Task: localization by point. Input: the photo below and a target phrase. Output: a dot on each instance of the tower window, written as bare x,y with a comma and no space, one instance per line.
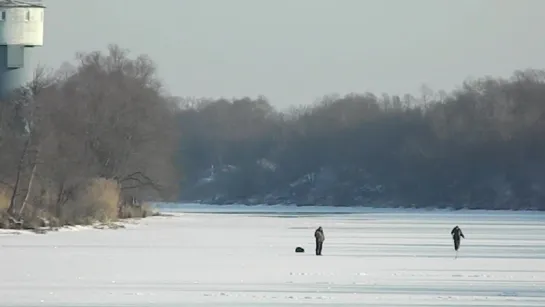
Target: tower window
3,15
27,16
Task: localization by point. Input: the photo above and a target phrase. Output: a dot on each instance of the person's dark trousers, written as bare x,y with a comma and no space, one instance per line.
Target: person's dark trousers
319,248
456,243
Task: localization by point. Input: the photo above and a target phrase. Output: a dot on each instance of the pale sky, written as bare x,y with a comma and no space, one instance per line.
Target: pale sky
295,51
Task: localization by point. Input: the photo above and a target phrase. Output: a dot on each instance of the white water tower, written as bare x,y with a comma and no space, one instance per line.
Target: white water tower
21,29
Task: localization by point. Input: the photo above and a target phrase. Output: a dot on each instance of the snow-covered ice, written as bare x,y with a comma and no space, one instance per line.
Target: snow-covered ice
371,258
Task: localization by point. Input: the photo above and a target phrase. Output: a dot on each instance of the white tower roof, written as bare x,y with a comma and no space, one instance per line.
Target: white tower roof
21,3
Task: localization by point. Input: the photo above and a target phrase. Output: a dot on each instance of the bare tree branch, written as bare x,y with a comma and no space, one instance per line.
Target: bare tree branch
141,180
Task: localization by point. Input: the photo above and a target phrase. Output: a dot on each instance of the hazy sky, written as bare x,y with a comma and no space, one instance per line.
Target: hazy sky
294,51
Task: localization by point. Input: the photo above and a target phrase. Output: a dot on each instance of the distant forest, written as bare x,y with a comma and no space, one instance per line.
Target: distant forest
481,146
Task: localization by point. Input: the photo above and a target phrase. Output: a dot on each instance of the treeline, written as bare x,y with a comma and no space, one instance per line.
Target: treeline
88,142
481,146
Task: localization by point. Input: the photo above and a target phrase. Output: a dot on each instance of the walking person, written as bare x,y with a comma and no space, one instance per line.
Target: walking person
457,233
320,238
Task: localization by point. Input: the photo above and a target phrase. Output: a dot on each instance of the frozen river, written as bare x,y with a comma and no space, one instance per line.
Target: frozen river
371,258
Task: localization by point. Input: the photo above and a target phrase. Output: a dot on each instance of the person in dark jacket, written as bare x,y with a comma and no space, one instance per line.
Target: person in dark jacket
456,233
320,237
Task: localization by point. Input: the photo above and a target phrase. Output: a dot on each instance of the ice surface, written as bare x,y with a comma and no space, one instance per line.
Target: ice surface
371,258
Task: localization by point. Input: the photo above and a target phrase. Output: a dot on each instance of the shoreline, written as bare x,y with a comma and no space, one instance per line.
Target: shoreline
168,209
113,225
195,207
45,230
379,203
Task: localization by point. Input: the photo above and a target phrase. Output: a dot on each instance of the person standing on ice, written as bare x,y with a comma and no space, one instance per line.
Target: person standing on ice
320,238
456,233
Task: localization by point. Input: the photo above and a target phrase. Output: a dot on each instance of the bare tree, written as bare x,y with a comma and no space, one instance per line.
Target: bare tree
107,117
